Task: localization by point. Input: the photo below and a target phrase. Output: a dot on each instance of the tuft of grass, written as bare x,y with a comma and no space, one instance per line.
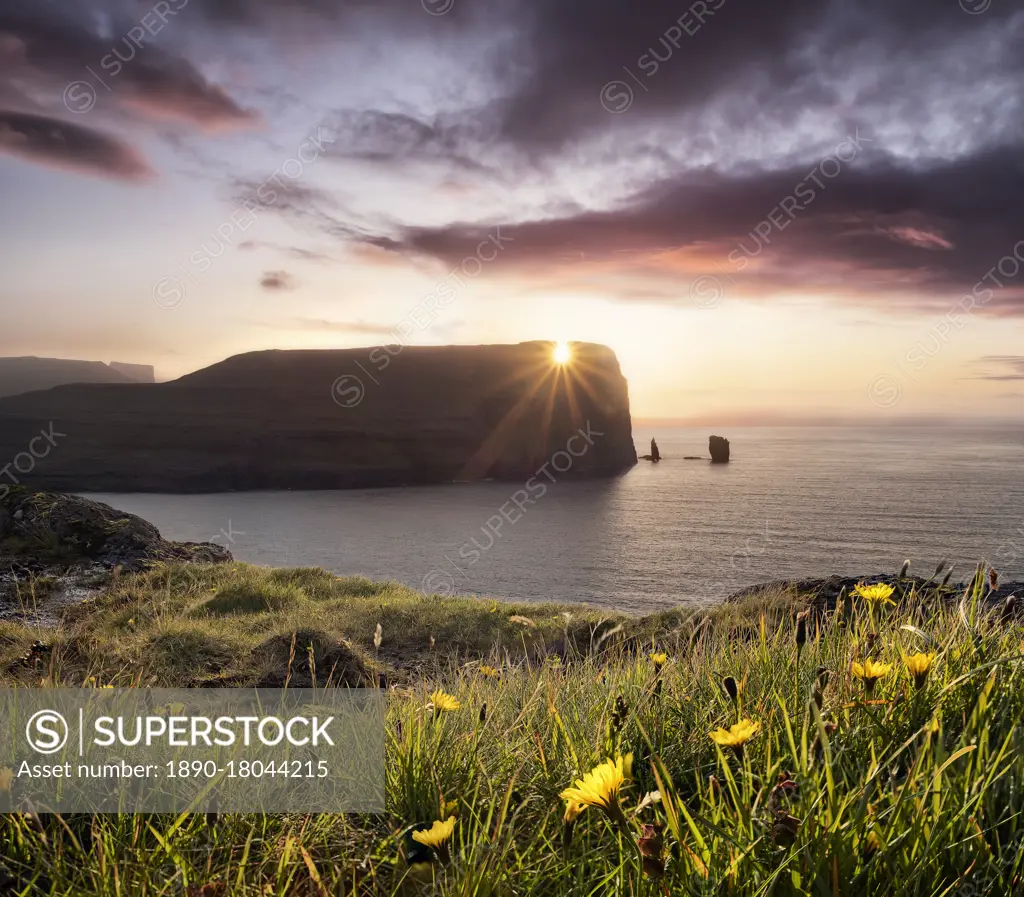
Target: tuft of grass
251,598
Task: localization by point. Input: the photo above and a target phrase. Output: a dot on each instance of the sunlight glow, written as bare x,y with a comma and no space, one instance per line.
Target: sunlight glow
563,354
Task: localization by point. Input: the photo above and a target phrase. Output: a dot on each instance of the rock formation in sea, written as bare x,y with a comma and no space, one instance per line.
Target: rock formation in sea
331,420
655,455
719,448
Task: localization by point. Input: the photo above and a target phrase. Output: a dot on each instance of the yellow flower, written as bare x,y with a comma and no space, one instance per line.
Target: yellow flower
736,735
870,672
879,593
6,778
918,666
600,787
437,834
489,672
659,659
444,701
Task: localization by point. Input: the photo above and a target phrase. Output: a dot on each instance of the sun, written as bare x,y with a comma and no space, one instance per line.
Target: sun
562,354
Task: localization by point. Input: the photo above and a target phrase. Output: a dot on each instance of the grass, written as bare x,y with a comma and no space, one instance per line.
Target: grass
841,791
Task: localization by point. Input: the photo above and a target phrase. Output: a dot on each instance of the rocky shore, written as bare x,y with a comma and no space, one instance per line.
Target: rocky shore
825,592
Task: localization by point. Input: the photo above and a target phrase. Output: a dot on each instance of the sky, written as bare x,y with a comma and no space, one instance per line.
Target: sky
802,209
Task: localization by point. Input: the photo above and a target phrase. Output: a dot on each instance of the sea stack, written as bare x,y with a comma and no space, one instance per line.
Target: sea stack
655,454
719,448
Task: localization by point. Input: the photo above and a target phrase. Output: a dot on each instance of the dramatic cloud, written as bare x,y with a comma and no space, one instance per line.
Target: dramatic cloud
857,151
879,228
50,141
123,65
860,149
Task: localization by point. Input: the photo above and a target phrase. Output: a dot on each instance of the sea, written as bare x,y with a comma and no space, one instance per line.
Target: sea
793,502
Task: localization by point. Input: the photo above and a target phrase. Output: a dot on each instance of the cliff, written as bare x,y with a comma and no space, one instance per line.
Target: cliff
28,373
330,420
137,373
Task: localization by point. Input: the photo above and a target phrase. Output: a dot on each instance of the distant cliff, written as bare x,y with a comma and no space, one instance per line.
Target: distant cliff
333,419
137,373
28,373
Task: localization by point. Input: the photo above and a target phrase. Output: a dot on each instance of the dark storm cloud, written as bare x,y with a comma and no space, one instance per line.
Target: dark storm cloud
577,63
676,56
61,144
58,47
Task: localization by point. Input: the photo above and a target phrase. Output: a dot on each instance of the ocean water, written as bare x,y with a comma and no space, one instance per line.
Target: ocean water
793,502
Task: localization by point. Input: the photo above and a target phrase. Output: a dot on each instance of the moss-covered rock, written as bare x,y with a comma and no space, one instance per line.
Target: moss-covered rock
54,528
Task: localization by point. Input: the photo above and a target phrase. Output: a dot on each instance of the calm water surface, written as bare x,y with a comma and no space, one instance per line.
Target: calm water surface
793,502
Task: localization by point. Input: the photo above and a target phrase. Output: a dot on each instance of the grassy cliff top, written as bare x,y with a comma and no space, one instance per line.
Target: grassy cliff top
871,746
181,624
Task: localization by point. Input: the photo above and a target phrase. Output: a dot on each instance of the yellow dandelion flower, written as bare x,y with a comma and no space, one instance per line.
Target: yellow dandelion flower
489,672
879,593
6,778
437,834
442,701
870,672
736,736
659,659
918,666
600,787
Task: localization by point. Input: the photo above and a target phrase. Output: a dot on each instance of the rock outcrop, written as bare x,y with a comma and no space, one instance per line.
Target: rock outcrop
58,550
333,420
826,591
43,528
719,448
